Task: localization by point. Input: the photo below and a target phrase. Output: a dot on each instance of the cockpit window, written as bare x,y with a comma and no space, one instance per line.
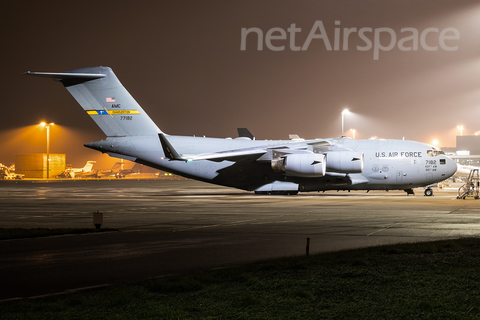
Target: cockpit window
435,152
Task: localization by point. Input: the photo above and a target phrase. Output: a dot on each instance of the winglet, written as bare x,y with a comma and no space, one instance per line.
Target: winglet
244,132
168,149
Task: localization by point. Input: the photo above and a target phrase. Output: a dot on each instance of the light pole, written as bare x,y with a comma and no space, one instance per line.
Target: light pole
353,132
345,111
461,130
47,125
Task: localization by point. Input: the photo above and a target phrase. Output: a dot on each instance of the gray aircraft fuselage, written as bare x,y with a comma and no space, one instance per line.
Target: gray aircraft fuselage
263,166
388,164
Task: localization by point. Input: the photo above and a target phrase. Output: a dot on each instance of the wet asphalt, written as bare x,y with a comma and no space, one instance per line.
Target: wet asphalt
169,227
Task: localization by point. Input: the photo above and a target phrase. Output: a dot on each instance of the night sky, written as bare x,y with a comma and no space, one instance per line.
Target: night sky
182,61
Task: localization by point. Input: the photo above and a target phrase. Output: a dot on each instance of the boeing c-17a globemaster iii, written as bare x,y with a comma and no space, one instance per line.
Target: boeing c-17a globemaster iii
262,166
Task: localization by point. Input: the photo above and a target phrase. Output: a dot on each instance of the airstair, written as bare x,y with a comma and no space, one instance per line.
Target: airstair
470,189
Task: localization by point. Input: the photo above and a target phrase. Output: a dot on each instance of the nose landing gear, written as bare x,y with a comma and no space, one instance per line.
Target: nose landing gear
428,192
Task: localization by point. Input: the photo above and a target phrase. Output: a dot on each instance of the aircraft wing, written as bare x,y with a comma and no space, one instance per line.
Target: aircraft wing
172,154
227,155
233,155
321,146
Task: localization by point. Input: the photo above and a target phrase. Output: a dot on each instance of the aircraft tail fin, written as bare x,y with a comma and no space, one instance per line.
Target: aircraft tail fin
88,167
104,98
117,166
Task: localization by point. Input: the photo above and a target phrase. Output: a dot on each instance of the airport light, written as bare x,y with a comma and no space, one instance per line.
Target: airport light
477,133
344,112
47,126
461,130
353,132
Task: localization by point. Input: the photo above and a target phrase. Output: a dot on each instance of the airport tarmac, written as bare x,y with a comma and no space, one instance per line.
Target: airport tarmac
168,227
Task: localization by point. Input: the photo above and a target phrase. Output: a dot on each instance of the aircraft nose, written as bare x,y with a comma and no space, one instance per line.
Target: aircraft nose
451,167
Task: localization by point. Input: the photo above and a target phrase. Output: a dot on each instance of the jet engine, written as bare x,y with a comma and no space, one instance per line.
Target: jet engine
344,162
307,165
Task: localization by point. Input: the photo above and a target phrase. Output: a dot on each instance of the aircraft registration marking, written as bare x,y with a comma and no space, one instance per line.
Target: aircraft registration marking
430,165
96,112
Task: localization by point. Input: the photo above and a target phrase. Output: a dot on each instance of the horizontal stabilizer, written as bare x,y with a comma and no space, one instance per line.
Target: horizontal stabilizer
67,78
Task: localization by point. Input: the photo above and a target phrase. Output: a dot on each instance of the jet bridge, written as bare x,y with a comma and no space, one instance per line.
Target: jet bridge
470,189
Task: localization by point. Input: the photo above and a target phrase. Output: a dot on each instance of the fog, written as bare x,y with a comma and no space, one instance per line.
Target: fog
182,61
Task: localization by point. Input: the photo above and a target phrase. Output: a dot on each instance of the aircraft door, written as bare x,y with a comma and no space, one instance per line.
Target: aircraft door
399,176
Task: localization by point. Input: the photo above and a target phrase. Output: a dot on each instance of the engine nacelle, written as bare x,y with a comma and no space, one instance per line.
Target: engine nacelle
307,165
345,162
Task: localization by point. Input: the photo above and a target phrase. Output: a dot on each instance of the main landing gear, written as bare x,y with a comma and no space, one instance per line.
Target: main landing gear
428,192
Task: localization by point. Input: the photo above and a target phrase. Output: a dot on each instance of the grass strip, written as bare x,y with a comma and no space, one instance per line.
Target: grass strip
434,280
19,233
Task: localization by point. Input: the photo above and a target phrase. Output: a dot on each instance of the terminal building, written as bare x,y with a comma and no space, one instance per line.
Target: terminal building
34,165
467,150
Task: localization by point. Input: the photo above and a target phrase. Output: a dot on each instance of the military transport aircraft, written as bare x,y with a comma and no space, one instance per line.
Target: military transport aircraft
263,166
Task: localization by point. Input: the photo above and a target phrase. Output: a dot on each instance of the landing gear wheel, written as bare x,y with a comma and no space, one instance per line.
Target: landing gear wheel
428,192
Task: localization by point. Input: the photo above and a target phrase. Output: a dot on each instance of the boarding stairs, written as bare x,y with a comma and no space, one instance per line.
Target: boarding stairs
470,189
